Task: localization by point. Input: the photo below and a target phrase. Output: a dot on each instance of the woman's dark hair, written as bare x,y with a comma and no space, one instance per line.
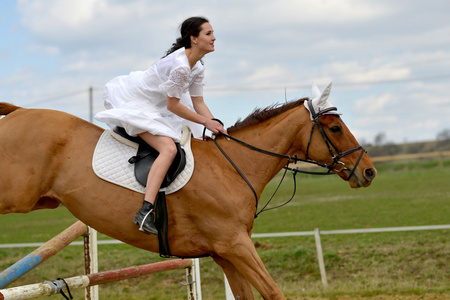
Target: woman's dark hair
190,27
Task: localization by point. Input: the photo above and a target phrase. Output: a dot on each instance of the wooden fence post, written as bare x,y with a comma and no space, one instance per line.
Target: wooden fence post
323,275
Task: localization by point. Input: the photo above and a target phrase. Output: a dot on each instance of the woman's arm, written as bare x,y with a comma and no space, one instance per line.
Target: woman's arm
174,105
202,115
201,108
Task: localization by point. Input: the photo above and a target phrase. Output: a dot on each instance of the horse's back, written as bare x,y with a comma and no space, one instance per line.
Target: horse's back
33,125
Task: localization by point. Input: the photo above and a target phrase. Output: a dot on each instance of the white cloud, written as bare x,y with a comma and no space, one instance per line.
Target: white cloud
71,15
296,12
266,75
354,72
325,11
69,45
73,25
374,105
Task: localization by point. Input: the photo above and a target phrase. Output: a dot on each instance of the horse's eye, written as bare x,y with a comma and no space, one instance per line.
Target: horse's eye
335,129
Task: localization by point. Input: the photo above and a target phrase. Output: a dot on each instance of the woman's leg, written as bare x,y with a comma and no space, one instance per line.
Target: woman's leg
167,152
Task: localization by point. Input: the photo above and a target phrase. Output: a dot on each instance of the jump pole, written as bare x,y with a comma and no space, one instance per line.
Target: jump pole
41,254
91,261
48,288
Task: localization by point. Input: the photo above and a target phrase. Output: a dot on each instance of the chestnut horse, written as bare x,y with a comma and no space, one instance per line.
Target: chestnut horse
46,160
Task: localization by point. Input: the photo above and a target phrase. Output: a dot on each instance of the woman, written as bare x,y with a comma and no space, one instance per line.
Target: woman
154,104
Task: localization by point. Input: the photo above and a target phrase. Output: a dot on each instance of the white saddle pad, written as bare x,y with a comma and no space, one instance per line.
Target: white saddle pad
110,162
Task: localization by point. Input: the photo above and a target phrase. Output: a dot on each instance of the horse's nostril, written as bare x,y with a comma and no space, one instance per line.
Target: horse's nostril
370,173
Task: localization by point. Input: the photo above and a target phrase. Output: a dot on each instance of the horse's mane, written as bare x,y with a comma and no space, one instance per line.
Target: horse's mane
262,114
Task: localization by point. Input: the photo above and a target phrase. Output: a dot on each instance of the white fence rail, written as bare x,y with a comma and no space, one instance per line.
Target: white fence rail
267,235
316,233
349,231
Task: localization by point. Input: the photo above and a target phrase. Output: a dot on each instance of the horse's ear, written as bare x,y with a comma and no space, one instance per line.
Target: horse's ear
325,93
315,92
319,100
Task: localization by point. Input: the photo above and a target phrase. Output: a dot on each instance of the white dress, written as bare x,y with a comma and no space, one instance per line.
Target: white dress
138,101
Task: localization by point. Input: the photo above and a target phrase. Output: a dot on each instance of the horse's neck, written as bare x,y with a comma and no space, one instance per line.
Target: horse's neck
275,135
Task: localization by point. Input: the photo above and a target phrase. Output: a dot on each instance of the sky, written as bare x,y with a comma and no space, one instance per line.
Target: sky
389,60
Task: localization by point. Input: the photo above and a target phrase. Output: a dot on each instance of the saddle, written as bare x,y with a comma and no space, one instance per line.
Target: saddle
146,155
143,161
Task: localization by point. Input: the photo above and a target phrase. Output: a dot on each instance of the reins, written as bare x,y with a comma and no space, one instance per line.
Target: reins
287,168
243,176
295,159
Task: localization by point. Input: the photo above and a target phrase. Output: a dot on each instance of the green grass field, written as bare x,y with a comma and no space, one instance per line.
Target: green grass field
400,263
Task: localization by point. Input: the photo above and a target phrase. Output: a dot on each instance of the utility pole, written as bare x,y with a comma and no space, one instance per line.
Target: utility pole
91,105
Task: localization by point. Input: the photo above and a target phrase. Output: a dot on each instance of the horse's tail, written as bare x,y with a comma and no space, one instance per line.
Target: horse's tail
6,108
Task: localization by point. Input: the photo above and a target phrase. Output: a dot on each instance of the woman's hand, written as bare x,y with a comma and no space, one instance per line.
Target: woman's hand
202,115
215,127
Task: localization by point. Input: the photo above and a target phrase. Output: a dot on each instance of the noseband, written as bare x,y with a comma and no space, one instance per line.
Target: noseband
337,165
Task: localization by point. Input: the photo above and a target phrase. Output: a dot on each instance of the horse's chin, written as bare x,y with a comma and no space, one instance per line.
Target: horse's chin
355,182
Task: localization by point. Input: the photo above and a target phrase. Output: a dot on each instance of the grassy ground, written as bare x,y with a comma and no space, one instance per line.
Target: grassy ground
408,264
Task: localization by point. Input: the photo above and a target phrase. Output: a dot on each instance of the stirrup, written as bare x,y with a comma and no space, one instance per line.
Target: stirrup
146,227
151,224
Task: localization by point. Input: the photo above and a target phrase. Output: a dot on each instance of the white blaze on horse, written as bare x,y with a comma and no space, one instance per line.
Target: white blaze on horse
46,160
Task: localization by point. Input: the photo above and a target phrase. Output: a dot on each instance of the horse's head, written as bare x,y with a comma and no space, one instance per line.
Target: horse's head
330,143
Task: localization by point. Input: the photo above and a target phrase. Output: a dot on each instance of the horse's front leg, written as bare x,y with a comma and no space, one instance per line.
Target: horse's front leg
242,254
241,287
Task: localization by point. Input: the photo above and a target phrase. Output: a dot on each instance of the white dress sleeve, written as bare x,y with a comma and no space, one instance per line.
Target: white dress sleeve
196,88
176,82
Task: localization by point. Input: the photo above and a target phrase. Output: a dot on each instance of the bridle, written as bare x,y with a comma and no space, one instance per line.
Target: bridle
337,165
294,159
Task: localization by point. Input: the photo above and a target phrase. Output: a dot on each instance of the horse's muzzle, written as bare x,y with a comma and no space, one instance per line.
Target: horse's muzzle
363,179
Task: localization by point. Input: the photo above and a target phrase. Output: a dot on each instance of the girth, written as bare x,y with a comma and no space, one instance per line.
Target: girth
146,155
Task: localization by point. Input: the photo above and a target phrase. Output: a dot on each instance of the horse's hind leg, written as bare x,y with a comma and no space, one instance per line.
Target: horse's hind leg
239,285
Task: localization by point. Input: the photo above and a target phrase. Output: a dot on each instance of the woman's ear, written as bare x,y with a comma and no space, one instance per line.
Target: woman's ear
193,40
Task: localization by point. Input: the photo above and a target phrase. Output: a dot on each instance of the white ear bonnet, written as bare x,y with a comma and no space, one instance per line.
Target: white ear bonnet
319,101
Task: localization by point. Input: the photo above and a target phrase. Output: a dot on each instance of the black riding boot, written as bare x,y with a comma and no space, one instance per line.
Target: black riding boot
145,218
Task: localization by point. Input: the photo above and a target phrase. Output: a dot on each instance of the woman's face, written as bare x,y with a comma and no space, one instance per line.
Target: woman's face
205,39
